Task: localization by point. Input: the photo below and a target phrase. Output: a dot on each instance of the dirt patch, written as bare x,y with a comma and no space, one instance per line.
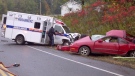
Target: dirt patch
1,51
4,41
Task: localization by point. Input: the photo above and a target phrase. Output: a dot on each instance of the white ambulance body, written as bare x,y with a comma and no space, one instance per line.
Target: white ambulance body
30,28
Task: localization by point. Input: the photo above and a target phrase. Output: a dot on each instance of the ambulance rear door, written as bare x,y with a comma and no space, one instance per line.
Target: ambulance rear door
36,32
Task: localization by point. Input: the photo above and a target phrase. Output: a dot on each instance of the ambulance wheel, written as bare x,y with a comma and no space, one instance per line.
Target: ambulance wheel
20,40
66,43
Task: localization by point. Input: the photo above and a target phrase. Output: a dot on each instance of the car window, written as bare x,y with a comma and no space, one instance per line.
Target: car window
110,39
113,40
106,39
122,41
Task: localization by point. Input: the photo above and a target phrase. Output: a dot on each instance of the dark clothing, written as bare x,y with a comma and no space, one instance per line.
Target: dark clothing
51,40
50,34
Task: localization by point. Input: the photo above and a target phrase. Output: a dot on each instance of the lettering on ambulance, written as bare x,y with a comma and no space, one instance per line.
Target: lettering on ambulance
25,20
21,28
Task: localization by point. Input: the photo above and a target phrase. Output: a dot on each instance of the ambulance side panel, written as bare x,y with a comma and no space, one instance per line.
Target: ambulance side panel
21,27
37,26
26,27
9,28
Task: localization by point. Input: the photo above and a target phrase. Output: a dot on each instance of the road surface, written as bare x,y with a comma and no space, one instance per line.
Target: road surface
38,60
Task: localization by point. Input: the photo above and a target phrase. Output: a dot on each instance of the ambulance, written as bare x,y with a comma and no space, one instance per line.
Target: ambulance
31,28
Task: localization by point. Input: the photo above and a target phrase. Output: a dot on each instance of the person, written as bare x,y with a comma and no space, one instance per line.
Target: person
51,32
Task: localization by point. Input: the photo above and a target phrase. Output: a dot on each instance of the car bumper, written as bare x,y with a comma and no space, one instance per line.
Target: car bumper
67,48
74,49
63,48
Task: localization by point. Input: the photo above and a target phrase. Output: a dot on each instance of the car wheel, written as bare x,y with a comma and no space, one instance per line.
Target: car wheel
20,40
66,43
132,54
84,50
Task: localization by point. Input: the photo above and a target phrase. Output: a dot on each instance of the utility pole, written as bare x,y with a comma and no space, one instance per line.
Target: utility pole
40,7
51,6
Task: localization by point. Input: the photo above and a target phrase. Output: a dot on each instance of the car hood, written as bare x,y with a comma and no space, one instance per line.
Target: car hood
85,39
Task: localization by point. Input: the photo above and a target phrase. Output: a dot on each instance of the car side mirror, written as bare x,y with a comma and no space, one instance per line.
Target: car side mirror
100,41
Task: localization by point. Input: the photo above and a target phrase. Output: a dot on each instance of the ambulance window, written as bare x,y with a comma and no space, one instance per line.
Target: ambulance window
66,29
58,28
37,25
45,23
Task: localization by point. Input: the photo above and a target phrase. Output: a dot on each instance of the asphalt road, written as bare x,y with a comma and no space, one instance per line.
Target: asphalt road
38,60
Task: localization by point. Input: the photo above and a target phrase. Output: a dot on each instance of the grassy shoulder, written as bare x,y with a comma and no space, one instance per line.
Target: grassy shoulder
127,62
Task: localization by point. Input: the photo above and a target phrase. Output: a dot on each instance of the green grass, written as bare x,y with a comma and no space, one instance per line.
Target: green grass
127,62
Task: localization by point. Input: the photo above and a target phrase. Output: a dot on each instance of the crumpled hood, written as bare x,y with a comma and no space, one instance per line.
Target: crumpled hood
84,40
73,34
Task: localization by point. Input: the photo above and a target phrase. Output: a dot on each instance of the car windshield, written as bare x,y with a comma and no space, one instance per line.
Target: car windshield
66,29
129,37
96,37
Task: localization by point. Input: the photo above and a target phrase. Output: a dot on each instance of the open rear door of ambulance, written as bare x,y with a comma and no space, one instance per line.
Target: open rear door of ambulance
3,24
44,37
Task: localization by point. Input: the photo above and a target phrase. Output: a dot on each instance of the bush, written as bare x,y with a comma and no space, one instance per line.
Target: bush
102,16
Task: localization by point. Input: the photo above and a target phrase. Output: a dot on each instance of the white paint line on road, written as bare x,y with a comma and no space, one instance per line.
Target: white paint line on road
125,57
77,62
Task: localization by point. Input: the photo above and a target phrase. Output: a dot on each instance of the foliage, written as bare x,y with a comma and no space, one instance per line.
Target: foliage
31,6
102,16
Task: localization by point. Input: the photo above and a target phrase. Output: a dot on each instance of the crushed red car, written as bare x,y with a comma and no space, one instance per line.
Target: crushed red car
116,42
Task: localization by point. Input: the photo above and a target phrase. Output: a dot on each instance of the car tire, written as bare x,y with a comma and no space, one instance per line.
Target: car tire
132,54
85,51
20,40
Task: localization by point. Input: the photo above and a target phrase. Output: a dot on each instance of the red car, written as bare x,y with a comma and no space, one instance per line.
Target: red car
116,42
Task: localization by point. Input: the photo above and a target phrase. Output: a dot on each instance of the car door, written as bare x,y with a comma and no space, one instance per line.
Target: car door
108,45
123,46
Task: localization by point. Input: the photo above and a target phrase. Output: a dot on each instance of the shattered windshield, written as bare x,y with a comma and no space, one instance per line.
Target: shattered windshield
129,37
66,29
96,37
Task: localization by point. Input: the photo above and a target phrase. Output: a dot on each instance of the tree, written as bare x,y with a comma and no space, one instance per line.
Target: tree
3,7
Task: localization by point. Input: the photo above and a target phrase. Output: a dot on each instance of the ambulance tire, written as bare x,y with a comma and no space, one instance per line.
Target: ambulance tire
66,43
20,40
